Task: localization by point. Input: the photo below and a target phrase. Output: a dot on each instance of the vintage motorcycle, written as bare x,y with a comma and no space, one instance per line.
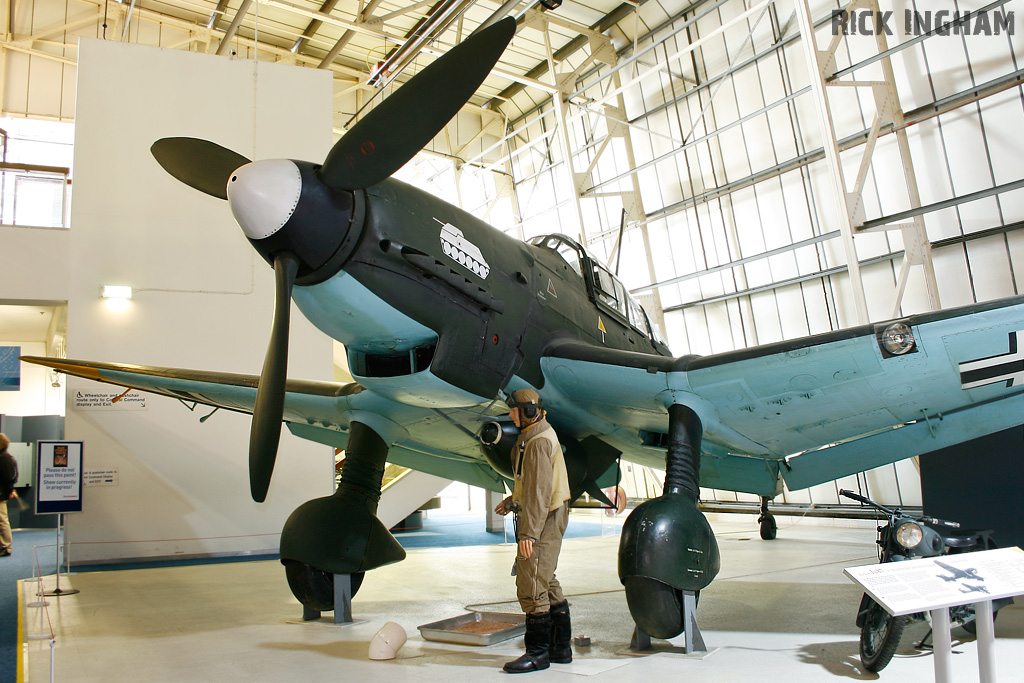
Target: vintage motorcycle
906,538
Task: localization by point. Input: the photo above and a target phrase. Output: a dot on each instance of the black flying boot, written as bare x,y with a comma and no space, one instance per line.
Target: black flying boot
538,637
561,634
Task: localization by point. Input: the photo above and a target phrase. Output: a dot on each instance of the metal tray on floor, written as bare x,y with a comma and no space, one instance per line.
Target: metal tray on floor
444,630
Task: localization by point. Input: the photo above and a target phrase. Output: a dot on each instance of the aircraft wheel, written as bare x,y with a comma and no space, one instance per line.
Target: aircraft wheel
315,588
769,528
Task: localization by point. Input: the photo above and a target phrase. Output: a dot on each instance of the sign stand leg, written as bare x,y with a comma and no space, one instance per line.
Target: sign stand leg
58,591
985,620
942,643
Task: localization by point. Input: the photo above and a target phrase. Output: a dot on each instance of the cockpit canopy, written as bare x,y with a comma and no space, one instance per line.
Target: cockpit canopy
603,286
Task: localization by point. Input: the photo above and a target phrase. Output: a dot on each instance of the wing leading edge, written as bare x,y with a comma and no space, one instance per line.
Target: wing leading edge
317,411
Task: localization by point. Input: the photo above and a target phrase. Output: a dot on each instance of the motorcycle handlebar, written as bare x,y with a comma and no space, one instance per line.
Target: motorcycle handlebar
866,501
932,520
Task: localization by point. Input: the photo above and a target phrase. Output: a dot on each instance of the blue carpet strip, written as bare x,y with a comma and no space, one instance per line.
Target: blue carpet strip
12,569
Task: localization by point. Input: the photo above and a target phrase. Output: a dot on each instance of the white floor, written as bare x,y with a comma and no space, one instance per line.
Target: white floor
779,611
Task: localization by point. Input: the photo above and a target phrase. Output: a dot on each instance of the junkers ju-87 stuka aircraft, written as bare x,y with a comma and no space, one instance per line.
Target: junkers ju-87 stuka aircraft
442,315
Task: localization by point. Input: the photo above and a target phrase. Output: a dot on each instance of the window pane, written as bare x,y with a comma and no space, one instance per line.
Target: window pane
39,201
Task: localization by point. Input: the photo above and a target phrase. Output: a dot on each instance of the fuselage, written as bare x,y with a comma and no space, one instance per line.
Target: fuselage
434,306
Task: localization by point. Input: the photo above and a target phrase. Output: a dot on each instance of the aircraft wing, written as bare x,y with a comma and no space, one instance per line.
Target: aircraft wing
840,402
318,411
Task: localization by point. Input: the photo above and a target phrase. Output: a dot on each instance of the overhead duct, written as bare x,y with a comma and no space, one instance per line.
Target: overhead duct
432,27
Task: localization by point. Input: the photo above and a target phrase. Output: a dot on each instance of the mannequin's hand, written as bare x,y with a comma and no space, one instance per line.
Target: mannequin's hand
526,548
504,507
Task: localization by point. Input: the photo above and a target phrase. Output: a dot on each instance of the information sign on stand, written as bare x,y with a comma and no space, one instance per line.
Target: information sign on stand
59,489
59,485
934,584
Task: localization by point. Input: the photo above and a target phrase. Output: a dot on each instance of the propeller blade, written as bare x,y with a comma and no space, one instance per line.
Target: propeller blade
200,164
265,433
400,126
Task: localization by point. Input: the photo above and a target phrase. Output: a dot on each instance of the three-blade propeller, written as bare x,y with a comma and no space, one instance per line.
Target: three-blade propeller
382,142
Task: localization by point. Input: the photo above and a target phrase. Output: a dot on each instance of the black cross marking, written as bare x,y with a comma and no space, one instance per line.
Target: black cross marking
1007,367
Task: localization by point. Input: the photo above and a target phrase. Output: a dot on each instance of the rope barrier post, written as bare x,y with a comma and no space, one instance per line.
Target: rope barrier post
37,578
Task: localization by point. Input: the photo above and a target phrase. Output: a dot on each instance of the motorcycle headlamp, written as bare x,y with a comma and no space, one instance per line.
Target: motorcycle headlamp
909,534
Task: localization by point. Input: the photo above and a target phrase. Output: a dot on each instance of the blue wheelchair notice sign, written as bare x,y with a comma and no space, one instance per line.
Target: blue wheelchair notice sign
59,484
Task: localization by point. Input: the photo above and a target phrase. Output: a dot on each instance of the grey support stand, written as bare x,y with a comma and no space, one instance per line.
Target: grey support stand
342,602
694,641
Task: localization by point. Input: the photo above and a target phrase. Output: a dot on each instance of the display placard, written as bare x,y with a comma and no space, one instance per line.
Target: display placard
937,582
59,477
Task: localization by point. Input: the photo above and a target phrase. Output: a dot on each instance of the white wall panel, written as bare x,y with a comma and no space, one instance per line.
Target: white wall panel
766,317
990,268
816,304
879,290
792,317
39,272
952,276
1015,246
946,64
16,80
205,299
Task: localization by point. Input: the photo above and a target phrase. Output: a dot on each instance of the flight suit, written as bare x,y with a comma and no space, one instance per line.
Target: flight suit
541,490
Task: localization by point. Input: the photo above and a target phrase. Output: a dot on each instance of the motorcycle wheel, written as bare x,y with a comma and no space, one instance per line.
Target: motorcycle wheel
879,637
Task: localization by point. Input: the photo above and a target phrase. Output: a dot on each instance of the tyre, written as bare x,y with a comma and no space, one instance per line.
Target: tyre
879,637
315,588
769,528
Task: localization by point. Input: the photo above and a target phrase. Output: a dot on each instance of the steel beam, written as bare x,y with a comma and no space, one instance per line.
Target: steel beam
348,35
739,262
229,34
885,54
815,68
881,223
938,244
313,25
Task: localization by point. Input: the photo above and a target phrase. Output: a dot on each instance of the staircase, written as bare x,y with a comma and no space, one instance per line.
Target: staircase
404,492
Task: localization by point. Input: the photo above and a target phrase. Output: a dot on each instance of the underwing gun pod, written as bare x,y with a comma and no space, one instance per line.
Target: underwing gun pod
667,546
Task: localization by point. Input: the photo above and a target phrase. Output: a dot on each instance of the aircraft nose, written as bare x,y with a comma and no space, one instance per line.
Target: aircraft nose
263,196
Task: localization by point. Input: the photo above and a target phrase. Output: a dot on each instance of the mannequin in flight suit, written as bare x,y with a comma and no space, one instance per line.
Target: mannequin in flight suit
540,499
